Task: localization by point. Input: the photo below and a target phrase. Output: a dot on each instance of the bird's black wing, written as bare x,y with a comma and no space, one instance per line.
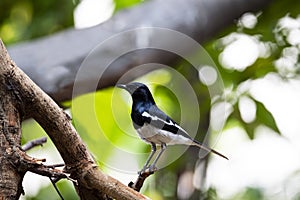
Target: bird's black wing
159,119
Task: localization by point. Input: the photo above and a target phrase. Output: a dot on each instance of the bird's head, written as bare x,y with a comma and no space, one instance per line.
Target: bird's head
138,91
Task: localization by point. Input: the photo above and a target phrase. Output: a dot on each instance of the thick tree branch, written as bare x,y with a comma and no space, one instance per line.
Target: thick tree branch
52,62
29,99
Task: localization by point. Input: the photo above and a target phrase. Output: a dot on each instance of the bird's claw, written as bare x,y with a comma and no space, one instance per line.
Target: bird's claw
149,170
152,168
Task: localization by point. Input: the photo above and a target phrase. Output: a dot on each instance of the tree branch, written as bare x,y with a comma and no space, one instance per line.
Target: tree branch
29,99
138,184
55,60
33,143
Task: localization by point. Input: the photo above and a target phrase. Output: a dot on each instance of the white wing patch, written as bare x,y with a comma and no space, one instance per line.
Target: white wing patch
155,118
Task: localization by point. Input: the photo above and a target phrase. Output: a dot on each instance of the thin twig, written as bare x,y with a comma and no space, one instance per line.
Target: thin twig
36,166
34,143
50,172
56,165
55,187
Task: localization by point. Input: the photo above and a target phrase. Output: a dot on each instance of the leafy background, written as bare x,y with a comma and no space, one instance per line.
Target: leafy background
22,20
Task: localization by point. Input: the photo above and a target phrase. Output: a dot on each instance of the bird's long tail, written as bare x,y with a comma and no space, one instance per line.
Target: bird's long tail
198,144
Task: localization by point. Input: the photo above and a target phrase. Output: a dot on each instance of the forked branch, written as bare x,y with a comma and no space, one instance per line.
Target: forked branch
31,101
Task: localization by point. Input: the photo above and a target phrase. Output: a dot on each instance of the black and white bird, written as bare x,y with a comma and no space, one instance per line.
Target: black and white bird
154,126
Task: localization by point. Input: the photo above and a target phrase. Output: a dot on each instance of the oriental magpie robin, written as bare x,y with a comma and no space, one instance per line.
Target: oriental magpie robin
154,126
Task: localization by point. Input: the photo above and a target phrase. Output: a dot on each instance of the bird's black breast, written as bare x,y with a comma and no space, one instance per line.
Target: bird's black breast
137,120
136,113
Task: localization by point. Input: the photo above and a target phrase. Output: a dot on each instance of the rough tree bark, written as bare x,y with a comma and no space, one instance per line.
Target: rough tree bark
52,62
20,97
10,136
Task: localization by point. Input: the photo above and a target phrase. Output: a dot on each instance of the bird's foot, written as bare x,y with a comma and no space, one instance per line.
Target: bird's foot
152,168
149,170
143,170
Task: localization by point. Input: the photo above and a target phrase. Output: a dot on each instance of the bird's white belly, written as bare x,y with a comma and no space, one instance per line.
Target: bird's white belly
152,134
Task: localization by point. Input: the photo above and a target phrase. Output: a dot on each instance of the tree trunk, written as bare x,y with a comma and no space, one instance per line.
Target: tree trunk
21,97
10,136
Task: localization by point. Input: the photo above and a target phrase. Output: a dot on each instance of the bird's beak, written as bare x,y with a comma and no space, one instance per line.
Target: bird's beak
128,88
121,86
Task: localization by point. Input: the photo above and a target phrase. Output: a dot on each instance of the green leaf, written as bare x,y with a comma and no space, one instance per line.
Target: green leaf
236,119
250,129
265,117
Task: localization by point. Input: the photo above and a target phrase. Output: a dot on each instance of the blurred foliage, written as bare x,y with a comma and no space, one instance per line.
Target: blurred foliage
97,116
266,30
26,19
121,4
22,20
263,117
250,194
